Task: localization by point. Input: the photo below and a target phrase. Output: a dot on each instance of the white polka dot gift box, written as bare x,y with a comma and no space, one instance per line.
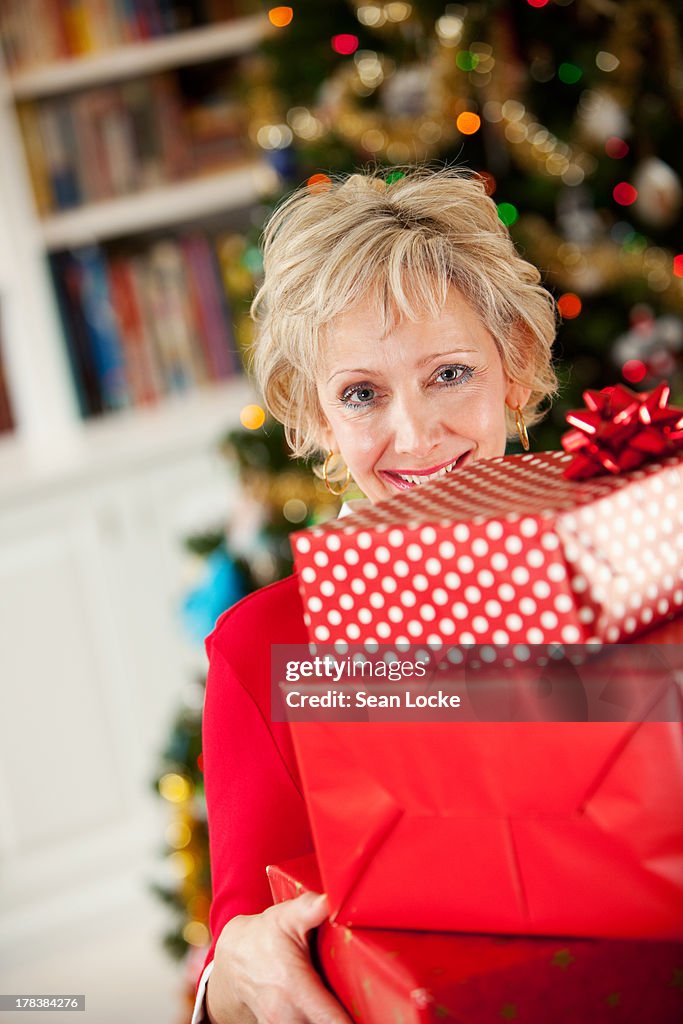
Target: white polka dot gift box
506,550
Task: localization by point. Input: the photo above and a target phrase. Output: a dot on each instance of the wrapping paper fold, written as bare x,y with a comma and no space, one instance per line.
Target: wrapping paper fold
417,977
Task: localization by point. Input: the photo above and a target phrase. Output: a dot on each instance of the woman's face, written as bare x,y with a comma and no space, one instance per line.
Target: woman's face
418,404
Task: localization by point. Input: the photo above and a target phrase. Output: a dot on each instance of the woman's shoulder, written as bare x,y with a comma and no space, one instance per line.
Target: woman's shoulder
271,615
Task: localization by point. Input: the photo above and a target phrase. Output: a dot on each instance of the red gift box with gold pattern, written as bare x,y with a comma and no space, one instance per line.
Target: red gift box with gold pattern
504,551
417,977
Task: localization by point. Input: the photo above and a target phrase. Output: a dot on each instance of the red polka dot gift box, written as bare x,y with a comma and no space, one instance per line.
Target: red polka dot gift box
503,551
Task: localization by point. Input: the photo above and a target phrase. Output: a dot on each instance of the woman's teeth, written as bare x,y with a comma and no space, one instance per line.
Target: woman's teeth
413,478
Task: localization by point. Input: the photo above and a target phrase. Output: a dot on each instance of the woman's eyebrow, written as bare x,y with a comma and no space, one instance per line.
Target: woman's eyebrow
359,369
450,352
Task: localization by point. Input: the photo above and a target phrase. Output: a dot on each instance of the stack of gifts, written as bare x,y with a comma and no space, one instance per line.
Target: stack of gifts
454,855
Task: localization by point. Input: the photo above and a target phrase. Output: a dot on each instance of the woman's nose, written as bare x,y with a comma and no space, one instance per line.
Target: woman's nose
417,431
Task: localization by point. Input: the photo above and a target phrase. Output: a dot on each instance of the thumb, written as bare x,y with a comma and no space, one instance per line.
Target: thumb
299,915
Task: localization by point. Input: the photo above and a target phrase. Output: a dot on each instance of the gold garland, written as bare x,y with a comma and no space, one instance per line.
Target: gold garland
495,83
599,267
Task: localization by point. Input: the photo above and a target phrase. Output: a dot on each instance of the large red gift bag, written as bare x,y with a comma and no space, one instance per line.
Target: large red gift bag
418,977
538,828
502,551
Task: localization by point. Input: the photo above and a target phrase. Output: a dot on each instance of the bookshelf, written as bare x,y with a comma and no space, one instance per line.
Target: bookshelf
50,427
193,46
94,511
159,207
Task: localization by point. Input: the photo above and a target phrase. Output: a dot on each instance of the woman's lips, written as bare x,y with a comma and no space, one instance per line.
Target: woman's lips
416,479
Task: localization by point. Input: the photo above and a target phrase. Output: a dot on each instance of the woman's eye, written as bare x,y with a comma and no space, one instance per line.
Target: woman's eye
455,374
359,395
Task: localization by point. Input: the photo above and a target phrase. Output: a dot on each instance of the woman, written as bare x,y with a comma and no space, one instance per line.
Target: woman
398,328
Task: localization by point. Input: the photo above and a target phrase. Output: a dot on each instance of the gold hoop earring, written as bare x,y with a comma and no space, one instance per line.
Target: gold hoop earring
521,428
329,486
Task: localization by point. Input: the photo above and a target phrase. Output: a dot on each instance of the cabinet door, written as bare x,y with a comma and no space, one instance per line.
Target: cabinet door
93,667
63,779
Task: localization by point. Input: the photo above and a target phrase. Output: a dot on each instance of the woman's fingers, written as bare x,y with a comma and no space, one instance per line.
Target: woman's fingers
263,971
296,917
317,1005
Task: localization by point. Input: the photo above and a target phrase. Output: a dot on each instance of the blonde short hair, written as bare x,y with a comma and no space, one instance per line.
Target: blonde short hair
402,241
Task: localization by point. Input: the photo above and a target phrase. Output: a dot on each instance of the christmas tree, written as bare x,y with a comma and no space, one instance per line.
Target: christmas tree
569,109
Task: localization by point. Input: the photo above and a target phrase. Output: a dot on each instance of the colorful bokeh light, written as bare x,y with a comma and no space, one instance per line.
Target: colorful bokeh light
466,60
252,417
569,305
280,16
319,183
678,265
569,73
616,148
634,370
345,43
490,183
538,3
624,193
468,122
175,788
508,213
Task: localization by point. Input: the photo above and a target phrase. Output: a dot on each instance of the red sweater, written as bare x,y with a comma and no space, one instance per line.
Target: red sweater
256,809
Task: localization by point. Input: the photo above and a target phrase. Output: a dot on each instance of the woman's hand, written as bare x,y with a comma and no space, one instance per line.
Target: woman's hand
262,972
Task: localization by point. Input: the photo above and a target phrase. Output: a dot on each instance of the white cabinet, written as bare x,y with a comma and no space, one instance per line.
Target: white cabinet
93,664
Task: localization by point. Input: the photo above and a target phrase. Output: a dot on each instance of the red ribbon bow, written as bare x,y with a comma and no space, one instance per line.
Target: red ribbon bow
619,429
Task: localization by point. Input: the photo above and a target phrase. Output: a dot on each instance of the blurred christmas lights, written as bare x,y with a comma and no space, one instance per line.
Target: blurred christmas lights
252,417
280,17
634,370
624,194
466,60
345,43
175,788
196,933
319,183
468,122
606,61
569,305
508,213
570,74
616,148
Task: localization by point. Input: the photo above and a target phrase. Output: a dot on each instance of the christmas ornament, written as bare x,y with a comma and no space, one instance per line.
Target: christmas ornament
601,117
659,192
653,343
620,429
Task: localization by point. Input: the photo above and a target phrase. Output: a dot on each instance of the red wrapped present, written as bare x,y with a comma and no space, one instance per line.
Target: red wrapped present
504,551
416,977
526,827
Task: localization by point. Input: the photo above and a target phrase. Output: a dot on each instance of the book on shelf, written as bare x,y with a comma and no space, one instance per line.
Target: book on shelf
39,32
144,323
6,414
118,139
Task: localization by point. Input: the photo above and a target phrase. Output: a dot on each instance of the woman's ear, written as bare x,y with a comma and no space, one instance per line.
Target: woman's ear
516,395
325,435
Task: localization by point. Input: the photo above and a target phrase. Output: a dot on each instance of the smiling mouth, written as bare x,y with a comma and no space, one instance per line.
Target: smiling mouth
404,481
